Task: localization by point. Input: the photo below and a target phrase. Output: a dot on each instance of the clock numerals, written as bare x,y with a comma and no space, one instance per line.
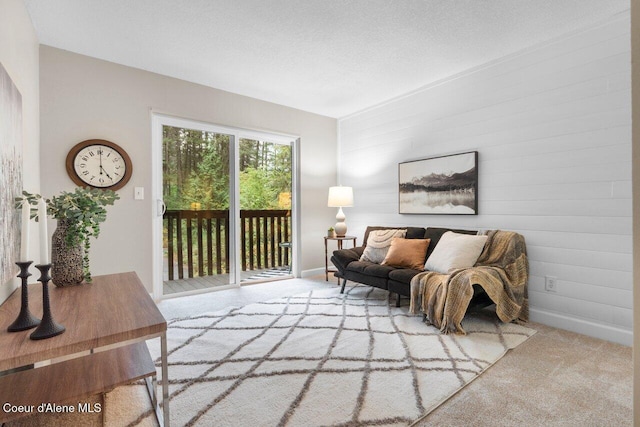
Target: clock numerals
99,164
93,169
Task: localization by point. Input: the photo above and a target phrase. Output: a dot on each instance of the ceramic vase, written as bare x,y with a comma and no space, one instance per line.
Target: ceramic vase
66,260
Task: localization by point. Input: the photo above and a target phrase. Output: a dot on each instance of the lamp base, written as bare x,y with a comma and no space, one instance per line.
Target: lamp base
341,226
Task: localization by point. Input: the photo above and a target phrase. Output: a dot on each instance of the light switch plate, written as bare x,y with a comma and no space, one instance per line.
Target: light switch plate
138,193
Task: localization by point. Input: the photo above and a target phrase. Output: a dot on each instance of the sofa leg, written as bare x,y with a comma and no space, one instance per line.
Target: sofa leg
397,300
344,282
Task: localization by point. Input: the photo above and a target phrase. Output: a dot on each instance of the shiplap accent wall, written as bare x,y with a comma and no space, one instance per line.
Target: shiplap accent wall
552,125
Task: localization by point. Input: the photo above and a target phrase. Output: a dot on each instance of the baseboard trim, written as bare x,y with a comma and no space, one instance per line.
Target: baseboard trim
313,272
582,326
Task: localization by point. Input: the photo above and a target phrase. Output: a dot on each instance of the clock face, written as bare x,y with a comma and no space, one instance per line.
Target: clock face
100,164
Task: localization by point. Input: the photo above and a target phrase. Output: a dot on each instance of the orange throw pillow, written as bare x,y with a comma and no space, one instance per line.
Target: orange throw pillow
407,253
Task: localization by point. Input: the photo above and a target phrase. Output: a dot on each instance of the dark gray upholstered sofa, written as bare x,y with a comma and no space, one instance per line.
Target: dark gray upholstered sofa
395,280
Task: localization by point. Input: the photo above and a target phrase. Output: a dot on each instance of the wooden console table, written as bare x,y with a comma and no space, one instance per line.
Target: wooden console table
107,323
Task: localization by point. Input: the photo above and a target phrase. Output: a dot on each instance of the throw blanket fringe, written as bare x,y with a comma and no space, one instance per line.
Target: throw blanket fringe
502,270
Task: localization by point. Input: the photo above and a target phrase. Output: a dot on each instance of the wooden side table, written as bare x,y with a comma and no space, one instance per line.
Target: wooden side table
339,240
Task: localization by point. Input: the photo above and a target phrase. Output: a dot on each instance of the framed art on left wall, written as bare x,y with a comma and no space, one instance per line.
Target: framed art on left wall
439,185
10,174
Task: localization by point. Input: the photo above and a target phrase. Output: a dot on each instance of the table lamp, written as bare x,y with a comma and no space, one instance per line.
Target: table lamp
340,197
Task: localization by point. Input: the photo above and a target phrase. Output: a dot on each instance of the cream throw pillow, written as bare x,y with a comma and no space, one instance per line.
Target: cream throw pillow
378,244
455,251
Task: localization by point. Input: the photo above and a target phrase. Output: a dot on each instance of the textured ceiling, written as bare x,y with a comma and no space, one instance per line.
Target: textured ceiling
332,57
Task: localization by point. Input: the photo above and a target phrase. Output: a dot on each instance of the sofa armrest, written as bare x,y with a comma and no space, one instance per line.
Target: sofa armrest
343,257
358,250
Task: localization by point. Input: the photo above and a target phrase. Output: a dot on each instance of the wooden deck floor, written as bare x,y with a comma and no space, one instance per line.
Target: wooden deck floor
204,282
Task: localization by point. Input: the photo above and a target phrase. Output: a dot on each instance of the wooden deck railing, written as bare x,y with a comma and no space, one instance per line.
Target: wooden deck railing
203,235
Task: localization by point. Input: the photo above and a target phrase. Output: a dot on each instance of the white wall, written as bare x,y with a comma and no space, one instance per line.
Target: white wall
635,55
19,56
552,126
84,98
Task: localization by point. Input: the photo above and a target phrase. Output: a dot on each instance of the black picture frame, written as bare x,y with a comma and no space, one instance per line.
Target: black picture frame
443,185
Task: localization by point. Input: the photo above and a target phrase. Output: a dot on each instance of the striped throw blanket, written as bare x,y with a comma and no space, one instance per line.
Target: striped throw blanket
502,270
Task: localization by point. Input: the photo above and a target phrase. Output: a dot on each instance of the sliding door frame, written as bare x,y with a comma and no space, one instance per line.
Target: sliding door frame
158,120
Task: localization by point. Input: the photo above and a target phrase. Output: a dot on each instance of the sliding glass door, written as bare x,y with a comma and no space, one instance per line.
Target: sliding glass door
196,223
265,209
224,206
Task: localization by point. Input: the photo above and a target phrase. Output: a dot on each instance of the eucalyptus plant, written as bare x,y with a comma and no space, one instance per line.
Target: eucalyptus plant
84,209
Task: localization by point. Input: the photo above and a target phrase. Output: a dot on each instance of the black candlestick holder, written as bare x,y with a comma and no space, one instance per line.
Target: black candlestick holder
25,319
48,327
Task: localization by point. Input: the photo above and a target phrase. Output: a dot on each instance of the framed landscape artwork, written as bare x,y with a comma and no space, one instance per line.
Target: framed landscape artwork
439,185
10,174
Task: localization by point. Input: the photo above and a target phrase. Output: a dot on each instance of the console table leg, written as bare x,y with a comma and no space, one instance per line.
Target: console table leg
165,379
152,389
162,416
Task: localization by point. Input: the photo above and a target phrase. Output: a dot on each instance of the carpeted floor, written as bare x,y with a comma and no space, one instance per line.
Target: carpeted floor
555,378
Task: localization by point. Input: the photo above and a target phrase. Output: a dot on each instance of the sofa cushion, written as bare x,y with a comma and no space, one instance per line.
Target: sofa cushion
370,269
455,251
378,244
367,279
434,234
403,275
407,253
412,232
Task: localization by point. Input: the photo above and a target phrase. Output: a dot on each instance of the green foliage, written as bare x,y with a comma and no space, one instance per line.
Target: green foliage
84,209
257,190
196,170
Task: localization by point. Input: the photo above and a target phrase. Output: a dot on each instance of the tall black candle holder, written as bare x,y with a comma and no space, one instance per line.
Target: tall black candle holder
25,319
48,327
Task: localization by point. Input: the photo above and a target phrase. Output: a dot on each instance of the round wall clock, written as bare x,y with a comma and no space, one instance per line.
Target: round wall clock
99,164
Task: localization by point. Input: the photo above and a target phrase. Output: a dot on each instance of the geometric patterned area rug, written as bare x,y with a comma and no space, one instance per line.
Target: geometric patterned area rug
271,274
317,359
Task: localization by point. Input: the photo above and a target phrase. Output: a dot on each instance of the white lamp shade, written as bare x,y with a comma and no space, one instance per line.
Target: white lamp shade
340,197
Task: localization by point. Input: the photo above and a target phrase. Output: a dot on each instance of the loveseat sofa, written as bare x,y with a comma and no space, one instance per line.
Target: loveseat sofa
396,280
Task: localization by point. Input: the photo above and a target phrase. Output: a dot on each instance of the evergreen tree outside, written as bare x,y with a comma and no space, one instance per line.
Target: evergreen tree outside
196,170
196,176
